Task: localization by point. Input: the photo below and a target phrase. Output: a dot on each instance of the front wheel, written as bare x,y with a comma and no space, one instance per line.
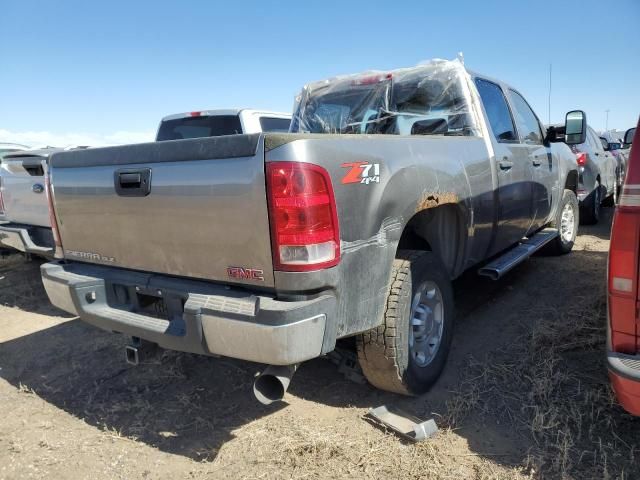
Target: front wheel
407,353
566,221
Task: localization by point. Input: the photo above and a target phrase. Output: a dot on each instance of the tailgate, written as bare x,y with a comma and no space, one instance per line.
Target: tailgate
192,208
25,200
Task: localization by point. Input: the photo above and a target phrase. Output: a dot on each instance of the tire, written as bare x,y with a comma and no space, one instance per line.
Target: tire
590,210
385,355
563,243
612,200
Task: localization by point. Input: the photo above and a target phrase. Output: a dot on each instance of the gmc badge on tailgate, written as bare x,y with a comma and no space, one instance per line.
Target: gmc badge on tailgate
241,273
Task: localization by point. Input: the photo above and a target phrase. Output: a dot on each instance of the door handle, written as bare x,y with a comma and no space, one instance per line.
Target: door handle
133,182
536,162
505,164
597,154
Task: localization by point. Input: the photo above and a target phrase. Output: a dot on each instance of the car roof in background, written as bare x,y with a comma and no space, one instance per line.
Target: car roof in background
16,146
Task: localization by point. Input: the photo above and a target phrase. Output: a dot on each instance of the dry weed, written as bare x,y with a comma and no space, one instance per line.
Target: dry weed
551,383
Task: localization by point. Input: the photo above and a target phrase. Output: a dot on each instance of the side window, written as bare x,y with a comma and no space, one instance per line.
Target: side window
272,124
604,143
528,126
497,111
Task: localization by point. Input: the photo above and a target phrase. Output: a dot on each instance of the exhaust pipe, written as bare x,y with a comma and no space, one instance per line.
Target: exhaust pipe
271,385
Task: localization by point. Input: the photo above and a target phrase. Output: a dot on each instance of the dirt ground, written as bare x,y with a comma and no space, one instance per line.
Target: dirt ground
525,394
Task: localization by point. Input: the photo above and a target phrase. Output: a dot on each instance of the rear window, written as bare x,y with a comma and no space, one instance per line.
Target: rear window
271,124
198,127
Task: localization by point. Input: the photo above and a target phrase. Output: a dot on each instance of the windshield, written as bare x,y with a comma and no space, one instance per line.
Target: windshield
427,100
197,127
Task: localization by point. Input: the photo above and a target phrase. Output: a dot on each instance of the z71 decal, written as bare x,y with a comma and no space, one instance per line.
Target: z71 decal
361,172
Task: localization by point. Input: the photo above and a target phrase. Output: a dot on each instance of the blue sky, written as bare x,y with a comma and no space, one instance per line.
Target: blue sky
109,70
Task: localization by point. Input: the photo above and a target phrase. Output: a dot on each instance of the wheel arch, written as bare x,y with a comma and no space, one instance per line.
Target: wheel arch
441,230
571,182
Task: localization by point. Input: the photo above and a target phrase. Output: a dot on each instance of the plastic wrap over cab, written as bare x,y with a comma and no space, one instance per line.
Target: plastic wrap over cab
430,99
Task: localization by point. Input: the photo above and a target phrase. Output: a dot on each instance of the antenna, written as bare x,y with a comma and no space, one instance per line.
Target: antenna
606,127
549,108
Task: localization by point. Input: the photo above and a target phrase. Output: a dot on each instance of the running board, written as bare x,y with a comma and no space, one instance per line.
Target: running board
496,268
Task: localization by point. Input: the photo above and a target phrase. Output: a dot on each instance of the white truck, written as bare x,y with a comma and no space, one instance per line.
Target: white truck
215,123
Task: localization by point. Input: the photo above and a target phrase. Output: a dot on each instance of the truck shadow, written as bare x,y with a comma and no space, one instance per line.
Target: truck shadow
21,285
191,405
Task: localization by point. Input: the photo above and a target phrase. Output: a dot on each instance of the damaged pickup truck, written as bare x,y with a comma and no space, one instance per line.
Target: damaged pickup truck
271,247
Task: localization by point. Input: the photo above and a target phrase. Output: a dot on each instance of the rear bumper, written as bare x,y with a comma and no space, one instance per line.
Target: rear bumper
624,372
27,239
197,317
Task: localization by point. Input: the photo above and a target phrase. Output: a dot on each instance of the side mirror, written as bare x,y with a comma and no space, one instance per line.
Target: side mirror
575,127
605,144
628,137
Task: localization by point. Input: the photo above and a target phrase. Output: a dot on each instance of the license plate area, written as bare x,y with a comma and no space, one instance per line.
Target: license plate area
152,306
150,302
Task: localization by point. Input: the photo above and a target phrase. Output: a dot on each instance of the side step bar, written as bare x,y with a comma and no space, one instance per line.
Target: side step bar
497,267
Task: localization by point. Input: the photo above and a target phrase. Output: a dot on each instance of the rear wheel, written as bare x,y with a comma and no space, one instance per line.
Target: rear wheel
407,353
590,209
566,221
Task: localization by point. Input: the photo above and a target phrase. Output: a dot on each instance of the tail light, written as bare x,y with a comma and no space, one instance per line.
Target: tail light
623,262
59,252
581,159
302,212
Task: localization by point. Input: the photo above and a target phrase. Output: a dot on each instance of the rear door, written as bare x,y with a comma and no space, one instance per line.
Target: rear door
542,166
192,208
512,165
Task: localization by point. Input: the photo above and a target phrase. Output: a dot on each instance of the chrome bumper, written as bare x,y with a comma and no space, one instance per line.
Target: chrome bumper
19,237
213,319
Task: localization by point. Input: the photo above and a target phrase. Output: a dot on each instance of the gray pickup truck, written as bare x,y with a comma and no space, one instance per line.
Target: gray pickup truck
271,247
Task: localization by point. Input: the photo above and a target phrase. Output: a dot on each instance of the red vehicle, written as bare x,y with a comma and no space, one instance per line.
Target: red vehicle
623,349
